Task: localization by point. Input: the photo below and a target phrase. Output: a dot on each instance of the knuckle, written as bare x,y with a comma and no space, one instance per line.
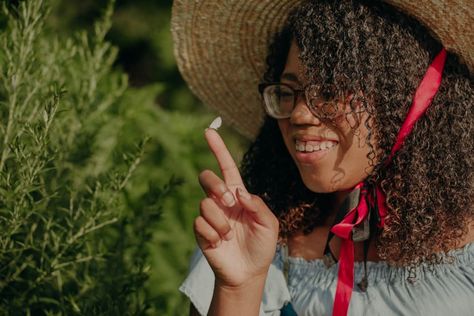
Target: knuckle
276,223
229,167
226,228
258,200
205,204
214,239
207,214
210,212
203,230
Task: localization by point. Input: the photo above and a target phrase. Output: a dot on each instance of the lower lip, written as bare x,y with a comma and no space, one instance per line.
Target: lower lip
308,158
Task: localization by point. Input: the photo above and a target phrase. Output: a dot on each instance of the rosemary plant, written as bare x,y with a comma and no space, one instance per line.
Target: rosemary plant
71,239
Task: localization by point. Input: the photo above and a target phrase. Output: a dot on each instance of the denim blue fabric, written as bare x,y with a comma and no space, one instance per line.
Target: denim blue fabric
442,289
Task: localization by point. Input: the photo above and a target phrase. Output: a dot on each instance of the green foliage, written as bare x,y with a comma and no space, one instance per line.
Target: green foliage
98,183
73,238
177,148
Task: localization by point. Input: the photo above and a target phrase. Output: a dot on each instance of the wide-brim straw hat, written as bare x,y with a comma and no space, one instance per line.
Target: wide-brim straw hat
221,45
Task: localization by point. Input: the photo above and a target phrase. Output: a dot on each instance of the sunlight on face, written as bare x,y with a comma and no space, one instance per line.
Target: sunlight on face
330,157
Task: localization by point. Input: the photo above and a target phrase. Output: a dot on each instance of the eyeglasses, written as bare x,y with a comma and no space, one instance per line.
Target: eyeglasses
280,100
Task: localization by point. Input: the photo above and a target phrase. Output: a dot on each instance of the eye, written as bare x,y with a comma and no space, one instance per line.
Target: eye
283,91
284,94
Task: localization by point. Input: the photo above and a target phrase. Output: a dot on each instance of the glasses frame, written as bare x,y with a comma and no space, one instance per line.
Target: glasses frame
317,106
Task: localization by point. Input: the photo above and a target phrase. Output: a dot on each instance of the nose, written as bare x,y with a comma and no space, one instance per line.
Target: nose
301,114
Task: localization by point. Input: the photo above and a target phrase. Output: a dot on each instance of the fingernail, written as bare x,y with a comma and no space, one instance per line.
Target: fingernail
243,194
229,235
217,244
228,199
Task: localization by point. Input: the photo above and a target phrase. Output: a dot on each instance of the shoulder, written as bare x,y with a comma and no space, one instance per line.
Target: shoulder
198,286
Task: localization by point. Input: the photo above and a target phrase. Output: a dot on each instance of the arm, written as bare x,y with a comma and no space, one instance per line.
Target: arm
242,300
237,234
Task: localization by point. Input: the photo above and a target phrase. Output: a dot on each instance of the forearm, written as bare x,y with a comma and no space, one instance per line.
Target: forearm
243,300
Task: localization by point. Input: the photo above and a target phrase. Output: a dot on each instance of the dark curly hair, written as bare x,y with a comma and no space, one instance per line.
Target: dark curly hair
369,46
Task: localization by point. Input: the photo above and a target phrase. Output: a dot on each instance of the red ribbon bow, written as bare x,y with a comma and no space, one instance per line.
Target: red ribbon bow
345,280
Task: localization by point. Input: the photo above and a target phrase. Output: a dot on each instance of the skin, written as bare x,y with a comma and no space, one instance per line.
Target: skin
238,237
336,173
346,164
238,233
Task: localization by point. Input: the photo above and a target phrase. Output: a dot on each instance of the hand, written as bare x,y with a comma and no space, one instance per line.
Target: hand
236,230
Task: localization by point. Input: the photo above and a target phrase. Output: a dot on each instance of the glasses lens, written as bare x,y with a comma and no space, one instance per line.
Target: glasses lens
279,100
322,102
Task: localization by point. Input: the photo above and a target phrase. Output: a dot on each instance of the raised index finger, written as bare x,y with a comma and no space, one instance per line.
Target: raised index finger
229,169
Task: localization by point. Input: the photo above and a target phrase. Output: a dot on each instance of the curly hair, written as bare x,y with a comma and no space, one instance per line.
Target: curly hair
369,46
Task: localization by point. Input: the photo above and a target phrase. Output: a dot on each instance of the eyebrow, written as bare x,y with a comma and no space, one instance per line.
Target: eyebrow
290,77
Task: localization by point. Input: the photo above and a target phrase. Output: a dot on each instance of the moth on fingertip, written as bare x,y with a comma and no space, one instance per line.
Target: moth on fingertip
216,123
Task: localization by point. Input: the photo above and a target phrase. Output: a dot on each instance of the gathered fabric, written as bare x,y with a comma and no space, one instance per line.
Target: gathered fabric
440,289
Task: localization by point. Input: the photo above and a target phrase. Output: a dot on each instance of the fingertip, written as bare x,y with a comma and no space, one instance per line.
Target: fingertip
209,130
210,137
206,135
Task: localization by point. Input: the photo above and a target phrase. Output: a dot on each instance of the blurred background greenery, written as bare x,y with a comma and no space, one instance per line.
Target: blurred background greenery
157,104
141,31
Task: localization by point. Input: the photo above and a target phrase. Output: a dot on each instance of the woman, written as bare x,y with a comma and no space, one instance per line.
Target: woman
364,158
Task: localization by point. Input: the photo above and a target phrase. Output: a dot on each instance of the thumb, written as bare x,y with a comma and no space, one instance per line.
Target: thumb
257,208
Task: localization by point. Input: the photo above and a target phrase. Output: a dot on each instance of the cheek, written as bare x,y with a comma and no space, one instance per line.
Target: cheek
347,167
355,153
284,127
354,165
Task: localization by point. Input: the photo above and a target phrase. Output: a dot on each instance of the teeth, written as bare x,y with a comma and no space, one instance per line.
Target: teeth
329,144
304,147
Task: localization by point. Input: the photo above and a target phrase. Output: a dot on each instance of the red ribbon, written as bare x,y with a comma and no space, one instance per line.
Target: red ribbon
345,279
423,96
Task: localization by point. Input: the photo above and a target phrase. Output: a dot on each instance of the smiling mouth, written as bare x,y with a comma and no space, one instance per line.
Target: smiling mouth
314,146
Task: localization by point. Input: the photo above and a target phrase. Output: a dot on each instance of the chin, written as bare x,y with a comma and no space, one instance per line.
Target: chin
320,185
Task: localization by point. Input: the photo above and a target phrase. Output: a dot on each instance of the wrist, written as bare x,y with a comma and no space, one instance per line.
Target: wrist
251,283
242,299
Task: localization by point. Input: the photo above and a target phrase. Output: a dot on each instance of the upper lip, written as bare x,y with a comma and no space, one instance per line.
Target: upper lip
307,138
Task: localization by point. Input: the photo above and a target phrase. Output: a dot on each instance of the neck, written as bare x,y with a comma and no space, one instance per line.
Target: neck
335,201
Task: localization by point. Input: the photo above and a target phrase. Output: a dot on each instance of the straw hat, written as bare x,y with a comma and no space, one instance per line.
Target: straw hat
221,46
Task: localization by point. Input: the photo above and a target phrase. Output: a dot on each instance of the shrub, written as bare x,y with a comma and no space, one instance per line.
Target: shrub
73,236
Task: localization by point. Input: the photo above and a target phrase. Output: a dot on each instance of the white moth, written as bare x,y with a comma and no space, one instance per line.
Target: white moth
216,123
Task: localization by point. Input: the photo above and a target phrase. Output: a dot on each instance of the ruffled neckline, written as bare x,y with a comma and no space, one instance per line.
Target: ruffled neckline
458,253
315,270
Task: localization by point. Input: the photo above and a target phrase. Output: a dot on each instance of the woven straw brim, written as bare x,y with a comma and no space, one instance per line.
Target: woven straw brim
221,46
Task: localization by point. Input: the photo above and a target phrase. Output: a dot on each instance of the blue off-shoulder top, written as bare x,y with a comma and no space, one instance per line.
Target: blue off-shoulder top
442,289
